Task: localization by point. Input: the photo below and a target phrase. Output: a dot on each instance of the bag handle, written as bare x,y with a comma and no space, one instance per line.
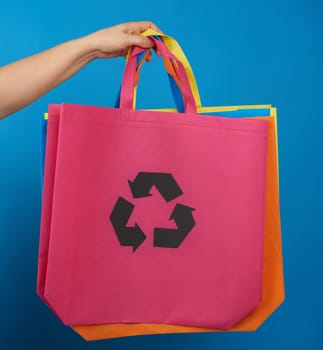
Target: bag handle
172,77
174,82
128,84
174,47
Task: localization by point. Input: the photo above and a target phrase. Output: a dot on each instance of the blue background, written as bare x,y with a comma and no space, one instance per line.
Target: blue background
242,52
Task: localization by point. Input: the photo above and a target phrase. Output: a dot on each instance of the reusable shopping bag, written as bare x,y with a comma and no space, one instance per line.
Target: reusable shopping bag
73,125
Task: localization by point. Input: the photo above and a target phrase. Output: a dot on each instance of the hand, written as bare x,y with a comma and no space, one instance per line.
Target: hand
23,81
115,41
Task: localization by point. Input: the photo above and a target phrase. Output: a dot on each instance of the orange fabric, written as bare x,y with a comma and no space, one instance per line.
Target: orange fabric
273,279
171,70
137,75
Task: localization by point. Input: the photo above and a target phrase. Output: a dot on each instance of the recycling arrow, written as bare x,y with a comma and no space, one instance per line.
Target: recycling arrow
165,183
163,237
172,238
127,236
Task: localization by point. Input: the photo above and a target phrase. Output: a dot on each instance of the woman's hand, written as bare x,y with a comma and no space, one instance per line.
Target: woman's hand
23,81
115,41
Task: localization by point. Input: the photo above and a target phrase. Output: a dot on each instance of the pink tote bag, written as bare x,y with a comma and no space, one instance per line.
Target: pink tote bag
152,217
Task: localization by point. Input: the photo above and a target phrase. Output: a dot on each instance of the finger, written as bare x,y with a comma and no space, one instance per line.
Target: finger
140,27
154,27
142,41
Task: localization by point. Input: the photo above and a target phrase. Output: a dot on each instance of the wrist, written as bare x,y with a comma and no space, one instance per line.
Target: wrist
87,46
82,49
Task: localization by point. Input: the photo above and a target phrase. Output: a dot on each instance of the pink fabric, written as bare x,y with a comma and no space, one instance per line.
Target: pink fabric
213,278
127,95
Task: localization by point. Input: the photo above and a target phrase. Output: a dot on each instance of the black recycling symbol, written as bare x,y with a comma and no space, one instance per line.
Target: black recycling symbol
163,237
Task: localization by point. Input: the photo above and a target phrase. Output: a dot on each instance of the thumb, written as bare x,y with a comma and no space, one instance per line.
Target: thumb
142,41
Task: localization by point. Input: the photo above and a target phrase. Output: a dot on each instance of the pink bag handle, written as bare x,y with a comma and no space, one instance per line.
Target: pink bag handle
128,82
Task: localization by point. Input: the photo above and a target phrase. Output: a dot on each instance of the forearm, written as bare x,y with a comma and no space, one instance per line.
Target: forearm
23,81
